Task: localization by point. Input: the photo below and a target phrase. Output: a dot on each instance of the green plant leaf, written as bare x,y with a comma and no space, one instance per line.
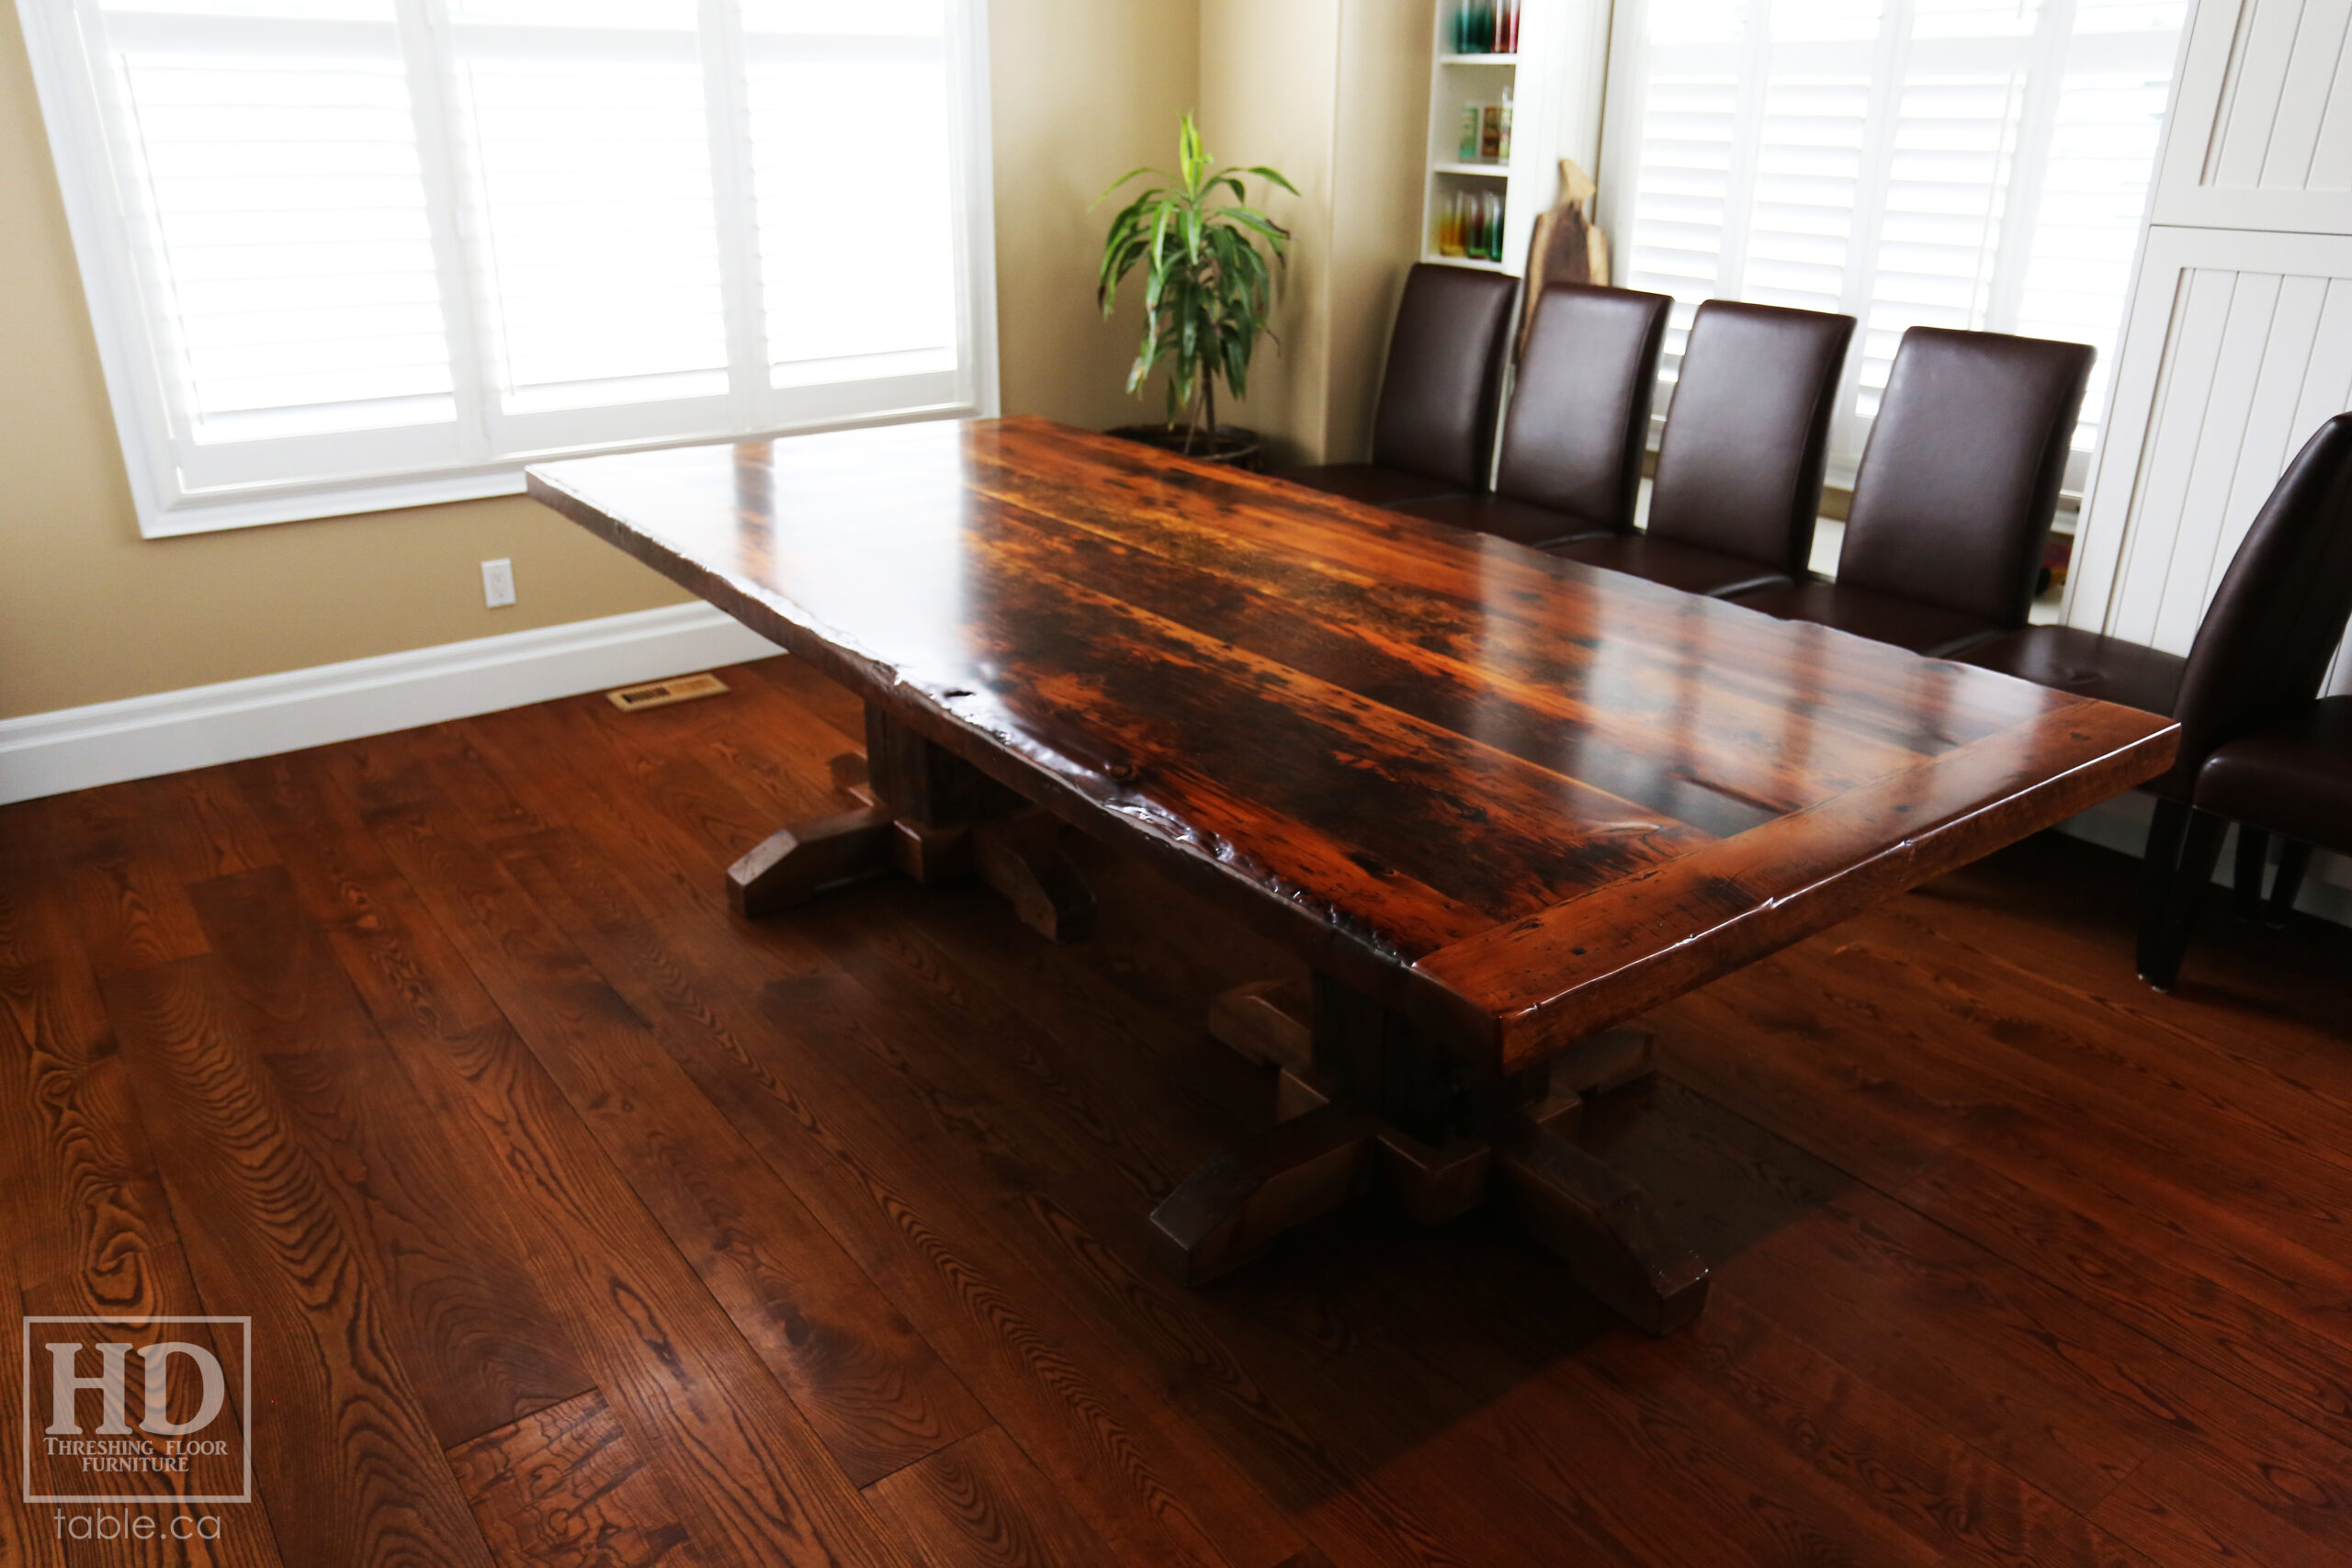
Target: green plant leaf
1123,179
1190,158
1275,233
1270,177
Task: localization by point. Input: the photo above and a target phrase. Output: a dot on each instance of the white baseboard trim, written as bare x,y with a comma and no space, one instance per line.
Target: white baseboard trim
170,732
2121,824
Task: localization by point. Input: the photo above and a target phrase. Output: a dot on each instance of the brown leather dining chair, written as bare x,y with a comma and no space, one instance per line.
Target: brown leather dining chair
2289,780
1433,430
1580,420
1955,493
1739,466
2260,655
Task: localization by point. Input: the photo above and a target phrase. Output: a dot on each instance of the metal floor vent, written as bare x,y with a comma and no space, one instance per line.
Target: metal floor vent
661,694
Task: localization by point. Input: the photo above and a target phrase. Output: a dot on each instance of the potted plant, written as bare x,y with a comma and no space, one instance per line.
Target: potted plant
1208,288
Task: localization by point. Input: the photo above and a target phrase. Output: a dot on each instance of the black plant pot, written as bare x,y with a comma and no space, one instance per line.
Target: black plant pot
1233,446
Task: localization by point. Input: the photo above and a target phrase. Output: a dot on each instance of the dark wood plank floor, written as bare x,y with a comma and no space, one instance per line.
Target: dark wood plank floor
582,1223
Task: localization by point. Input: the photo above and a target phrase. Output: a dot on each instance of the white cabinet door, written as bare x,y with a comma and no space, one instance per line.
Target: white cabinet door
2261,131
2239,347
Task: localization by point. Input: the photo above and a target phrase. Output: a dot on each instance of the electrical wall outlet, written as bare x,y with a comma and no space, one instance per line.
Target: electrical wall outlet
498,583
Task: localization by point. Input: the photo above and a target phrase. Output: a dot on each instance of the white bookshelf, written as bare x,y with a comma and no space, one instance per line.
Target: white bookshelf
1555,82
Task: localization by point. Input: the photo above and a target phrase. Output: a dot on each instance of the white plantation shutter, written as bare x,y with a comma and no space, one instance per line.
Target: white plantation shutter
886,306
1980,164
352,253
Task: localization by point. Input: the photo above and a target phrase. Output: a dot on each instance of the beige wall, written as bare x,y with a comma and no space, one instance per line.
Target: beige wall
1083,89
1334,94
1267,91
1383,128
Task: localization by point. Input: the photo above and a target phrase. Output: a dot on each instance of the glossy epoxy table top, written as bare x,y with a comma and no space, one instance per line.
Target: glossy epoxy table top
1519,799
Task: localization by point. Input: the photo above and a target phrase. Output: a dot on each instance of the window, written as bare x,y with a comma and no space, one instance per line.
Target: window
346,254
1979,163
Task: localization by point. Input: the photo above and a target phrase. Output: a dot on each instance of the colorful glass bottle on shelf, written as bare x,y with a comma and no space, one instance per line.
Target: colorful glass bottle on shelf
1485,27
1470,225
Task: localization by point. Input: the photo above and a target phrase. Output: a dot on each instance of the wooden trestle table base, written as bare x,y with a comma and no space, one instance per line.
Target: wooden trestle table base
1501,803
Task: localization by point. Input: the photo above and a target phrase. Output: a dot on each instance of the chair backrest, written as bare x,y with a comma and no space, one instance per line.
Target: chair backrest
1580,417
1953,500
1443,384
2271,630
1748,434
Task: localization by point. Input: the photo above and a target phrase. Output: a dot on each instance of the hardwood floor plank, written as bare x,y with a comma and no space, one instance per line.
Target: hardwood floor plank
452,769
24,1542
564,1487
2058,899
2195,1271
1030,1086
981,1504
1245,1372
1033,1259
1991,1038
764,739
1924,1296
128,907
750,1483
799,681
877,1394
851,1147
91,1232
34,922
2267,1070
1028,1079
2179,1511
354,1466
1882,1452
1882,1289
481,1347
1752,1412
206,827
999,1050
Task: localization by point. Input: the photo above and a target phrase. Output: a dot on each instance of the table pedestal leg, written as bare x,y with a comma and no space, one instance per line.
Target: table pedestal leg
1020,857
930,814
1364,1094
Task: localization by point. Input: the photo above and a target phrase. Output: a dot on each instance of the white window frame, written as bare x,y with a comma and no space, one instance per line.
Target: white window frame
429,465
1626,101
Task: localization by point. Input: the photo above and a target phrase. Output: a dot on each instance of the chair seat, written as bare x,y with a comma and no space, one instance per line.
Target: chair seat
2086,664
1690,568
2293,778
1369,483
1881,617
1504,518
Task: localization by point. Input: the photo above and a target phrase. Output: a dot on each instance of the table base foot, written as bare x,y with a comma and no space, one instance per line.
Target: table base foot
1604,1224
1231,1209
934,817
797,863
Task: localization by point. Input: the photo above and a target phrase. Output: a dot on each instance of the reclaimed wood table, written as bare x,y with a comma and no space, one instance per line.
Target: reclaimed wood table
1499,802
